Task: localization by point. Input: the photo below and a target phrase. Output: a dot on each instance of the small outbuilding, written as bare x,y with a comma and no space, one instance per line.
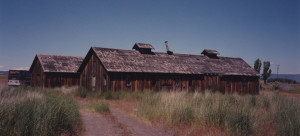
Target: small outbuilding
55,71
138,69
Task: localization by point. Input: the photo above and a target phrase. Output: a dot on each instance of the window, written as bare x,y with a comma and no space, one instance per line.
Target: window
153,82
128,81
104,80
190,82
93,83
227,83
177,82
244,82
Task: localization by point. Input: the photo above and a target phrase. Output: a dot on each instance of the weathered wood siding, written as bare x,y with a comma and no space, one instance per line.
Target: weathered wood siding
95,77
178,82
51,79
133,70
94,69
61,79
117,81
37,75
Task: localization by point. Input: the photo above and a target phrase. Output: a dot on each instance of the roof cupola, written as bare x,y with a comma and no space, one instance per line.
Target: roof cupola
143,48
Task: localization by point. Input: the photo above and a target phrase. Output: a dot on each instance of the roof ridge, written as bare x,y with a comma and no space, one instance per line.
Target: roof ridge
59,55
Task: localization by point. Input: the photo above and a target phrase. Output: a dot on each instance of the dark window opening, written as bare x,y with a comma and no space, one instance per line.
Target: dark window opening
177,82
227,83
128,81
190,82
104,80
153,82
93,83
244,82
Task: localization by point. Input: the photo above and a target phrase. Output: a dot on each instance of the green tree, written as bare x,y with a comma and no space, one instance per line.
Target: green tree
267,71
257,65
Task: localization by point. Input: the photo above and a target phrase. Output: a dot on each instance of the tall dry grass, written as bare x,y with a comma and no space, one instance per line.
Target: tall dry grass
34,111
236,114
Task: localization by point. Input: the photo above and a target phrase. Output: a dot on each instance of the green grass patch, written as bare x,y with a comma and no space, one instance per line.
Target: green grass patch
100,107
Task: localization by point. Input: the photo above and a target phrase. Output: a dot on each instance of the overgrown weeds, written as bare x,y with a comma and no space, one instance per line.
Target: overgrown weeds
101,107
109,95
236,114
37,112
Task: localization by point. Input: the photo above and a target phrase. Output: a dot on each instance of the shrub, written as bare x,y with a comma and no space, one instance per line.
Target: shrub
182,115
99,107
276,86
81,92
110,95
282,80
239,122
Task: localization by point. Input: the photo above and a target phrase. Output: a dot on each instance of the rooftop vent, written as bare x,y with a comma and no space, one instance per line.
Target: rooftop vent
143,48
211,53
167,47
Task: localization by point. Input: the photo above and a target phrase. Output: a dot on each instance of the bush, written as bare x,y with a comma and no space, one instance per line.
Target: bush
239,122
109,95
282,80
99,107
24,112
81,92
182,115
276,86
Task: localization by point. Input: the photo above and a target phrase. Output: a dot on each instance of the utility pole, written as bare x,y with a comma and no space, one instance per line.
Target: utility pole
277,69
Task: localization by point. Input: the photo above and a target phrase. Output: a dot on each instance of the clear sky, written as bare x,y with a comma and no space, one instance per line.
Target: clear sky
250,29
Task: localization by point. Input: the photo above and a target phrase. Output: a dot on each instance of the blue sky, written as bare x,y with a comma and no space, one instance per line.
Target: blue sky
250,29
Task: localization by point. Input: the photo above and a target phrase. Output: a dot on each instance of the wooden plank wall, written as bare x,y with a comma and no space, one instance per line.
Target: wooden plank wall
61,79
37,75
50,80
94,68
143,81
116,81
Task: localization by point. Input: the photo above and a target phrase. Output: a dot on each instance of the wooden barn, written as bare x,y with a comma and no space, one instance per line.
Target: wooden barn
55,71
138,69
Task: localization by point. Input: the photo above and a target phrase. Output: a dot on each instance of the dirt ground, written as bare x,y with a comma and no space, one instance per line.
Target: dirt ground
118,123
282,93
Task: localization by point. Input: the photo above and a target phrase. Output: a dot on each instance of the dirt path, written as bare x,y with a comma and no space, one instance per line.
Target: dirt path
117,123
98,125
137,127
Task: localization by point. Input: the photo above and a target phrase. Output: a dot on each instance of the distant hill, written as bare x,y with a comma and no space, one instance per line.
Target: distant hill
287,76
3,72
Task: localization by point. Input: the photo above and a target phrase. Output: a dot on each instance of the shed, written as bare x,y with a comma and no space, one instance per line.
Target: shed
55,70
132,70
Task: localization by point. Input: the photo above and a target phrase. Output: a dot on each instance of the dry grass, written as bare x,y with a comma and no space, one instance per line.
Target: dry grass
214,113
35,111
3,81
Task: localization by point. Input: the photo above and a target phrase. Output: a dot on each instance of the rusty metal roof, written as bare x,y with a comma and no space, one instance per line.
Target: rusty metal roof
142,46
58,63
118,60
